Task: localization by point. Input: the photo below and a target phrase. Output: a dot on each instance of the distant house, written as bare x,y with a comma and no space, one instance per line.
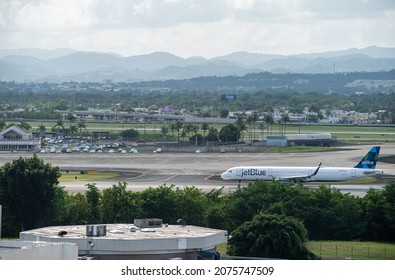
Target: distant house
15,138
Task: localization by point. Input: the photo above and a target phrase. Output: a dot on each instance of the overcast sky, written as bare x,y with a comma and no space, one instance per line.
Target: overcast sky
197,27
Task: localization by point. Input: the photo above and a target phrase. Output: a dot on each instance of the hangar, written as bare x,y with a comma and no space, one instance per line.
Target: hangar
313,139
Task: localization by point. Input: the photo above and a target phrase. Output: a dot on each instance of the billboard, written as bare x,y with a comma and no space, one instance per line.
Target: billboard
228,97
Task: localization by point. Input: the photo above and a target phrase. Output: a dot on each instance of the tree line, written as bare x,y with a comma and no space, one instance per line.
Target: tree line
257,216
43,104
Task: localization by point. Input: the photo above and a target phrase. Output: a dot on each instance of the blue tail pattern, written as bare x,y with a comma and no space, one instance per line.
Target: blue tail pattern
370,159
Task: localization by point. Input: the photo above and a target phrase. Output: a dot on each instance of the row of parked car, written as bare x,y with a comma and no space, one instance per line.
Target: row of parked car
84,147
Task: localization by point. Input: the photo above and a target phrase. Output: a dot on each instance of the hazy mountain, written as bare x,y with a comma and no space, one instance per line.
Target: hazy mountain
37,53
373,52
66,64
248,59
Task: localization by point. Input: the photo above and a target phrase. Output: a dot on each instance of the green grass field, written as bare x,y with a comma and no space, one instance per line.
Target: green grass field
352,250
77,176
344,250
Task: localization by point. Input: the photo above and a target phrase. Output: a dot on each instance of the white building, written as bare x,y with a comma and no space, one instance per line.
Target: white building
15,138
144,240
29,250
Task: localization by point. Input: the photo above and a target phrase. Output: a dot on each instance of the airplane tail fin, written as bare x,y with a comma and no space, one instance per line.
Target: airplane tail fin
370,159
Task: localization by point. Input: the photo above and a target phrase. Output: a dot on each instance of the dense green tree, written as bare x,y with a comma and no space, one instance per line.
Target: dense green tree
215,209
117,204
259,196
129,134
93,197
62,203
27,191
78,209
191,205
160,202
224,113
270,236
332,215
389,208
229,133
373,210
213,134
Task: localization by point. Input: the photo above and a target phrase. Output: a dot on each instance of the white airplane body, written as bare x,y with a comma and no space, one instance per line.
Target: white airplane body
365,168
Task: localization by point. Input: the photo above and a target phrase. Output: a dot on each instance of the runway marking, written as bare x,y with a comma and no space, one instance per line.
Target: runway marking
171,177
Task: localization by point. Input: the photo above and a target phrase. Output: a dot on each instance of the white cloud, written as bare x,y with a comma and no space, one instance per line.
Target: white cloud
54,14
143,8
197,27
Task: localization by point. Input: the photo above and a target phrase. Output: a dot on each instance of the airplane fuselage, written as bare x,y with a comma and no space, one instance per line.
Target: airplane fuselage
324,174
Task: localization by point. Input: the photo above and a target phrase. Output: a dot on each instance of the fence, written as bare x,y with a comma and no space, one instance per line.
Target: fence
350,251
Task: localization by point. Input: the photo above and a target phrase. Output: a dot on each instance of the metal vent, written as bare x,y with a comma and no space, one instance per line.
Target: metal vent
148,223
96,230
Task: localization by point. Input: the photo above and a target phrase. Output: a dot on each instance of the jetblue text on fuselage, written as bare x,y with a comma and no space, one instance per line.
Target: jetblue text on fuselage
253,172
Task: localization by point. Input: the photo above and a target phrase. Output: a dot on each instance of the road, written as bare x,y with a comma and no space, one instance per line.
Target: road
145,170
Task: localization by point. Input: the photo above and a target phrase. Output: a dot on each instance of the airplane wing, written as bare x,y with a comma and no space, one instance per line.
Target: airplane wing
300,178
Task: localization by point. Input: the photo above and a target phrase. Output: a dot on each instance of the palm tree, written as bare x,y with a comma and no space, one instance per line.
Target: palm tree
240,124
252,119
269,122
178,126
188,129
25,125
164,130
284,119
41,129
72,129
58,124
80,126
249,122
71,118
204,128
262,127
2,124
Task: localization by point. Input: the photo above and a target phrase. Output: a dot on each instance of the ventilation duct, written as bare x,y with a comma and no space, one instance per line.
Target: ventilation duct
96,230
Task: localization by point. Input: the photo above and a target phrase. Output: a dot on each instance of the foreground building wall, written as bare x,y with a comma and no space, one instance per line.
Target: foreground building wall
24,250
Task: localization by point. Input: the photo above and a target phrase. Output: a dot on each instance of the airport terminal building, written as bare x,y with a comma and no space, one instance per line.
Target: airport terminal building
15,138
146,239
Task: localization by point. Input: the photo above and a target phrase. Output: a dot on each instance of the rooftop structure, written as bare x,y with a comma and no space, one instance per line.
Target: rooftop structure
128,241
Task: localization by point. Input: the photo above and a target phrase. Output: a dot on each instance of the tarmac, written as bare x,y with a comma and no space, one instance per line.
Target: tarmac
143,170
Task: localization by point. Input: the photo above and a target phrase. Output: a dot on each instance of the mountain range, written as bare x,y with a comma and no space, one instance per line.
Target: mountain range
60,65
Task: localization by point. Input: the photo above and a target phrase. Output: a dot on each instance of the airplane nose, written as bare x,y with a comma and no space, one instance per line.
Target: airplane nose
223,175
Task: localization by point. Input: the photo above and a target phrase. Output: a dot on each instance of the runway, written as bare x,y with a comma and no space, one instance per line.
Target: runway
144,170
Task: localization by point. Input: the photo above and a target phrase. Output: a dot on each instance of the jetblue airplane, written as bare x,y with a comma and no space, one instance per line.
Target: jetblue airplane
366,167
